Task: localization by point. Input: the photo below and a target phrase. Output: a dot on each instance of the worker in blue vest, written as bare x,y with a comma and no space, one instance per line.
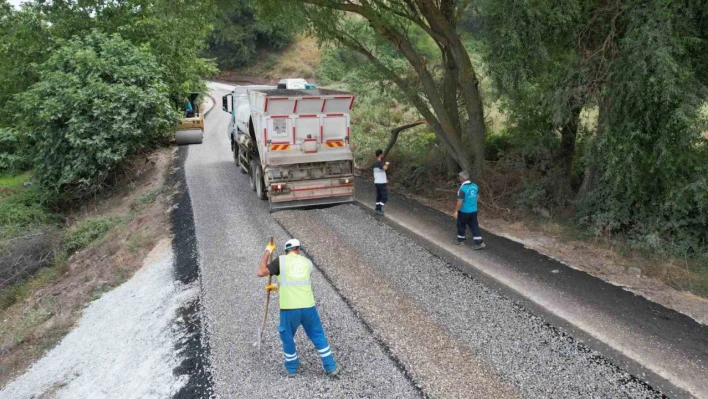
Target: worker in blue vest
466,211
297,305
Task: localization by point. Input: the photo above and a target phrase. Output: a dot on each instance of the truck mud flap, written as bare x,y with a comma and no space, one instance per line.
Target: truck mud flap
276,206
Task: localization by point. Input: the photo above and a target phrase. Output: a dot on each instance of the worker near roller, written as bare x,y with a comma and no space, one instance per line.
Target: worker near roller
466,211
188,110
380,182
297,305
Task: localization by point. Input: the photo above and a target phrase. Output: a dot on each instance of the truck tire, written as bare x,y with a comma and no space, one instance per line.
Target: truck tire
260,184
252,174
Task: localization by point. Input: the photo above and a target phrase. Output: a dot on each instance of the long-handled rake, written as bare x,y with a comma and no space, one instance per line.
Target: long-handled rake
259,338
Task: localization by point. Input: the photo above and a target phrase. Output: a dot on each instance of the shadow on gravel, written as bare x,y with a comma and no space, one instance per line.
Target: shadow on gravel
194,349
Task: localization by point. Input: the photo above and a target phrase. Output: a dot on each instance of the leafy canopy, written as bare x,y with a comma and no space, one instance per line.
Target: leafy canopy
99,100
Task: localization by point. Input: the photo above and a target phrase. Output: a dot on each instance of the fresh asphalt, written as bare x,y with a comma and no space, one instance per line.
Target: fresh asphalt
665,347
514,353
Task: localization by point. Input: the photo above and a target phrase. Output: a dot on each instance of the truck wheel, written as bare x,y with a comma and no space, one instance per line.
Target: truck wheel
252,174
260,184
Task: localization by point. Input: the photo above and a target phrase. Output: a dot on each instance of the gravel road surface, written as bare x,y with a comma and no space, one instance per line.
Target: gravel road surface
486,329
232,228
401,321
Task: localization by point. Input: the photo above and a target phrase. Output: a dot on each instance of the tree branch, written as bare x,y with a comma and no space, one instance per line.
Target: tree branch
396,131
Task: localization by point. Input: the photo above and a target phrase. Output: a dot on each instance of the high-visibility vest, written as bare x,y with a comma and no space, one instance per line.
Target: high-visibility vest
295,281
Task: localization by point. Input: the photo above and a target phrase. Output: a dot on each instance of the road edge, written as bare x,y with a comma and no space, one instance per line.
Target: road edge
195,349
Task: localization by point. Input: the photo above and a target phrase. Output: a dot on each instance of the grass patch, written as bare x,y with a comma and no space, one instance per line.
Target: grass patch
139,240
13,181
22,211
88,231
31,318
19,291
300,59
145,200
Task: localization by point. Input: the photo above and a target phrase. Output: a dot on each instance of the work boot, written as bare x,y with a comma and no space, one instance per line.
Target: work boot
335,372
458,242
379,212
479,246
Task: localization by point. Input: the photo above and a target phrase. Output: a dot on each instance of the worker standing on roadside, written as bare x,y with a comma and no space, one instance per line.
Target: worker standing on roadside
297,305
466,211
380,181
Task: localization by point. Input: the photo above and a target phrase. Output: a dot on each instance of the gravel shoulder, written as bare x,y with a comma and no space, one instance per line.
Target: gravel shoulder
124,342
514,351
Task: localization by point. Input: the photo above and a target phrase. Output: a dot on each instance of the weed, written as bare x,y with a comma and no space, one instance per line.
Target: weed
12,294
87,231
101,288
145,200
139,240
31,319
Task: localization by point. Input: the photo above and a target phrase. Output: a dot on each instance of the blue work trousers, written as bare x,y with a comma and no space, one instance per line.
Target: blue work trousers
465,219
290,321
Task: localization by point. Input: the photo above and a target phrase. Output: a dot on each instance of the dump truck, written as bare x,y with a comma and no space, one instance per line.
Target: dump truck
293,141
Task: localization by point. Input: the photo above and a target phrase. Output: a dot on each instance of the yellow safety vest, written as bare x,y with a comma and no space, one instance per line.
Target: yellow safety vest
295,282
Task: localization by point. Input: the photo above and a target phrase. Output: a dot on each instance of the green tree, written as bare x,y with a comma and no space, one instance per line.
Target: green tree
641,65
23,46
100,99
176,32
239,31
444,88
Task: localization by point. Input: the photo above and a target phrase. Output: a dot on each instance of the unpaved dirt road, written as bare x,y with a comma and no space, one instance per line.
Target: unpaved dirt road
401,321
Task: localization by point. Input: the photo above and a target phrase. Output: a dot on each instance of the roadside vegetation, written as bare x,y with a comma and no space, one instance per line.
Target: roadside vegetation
90,92
105,242
594,116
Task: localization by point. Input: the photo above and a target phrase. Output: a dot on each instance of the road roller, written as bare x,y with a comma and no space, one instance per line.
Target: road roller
191,128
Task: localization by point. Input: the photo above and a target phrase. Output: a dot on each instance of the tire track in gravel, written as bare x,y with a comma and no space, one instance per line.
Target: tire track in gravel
427,351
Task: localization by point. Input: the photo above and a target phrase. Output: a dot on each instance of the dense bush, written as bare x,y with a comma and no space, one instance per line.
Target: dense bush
23,211
14,155
100,100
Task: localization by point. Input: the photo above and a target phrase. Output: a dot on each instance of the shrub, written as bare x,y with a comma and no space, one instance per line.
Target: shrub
100,100
21,257
24,211
13,156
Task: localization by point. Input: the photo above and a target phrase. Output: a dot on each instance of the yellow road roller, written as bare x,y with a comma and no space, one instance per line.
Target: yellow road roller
191,128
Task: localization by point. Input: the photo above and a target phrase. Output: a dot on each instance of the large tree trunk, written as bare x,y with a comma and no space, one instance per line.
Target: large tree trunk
566,155
438,20
450,90
592,172
443,21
